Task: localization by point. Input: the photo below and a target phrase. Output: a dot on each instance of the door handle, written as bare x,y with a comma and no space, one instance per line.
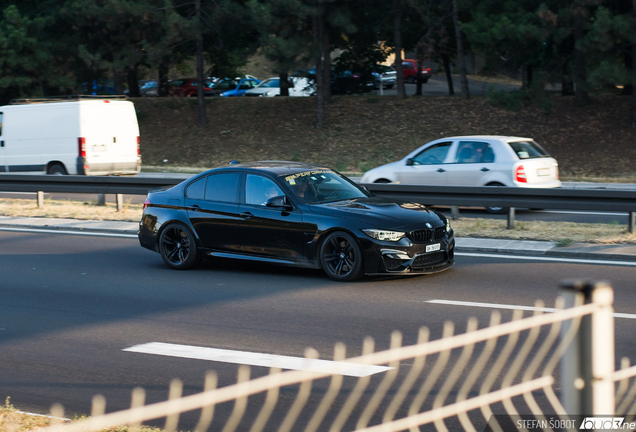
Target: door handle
246,215
484,169
441,170
194,207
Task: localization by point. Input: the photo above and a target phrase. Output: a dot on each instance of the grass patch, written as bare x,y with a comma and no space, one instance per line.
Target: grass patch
562,233
83,210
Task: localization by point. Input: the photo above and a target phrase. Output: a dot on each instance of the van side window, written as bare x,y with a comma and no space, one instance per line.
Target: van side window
222,188
196,190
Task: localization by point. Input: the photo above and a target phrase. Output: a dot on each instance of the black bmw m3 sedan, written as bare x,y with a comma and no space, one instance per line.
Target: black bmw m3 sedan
295,214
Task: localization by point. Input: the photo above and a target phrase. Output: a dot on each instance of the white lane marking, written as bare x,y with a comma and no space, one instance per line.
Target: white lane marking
512,307
555,259
56,231
257,359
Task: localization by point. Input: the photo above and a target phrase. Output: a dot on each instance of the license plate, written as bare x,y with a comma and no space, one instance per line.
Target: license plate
433,247
543,172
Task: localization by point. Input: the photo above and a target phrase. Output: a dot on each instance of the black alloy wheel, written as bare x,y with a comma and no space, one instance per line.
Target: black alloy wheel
341,257
382,180
178,247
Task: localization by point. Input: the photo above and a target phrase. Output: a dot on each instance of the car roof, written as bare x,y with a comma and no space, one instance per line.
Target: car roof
487,137
272,167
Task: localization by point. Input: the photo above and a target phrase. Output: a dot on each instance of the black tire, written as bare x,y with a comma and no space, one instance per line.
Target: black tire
411,79
496,210
56,169
341,257
178,247
382,181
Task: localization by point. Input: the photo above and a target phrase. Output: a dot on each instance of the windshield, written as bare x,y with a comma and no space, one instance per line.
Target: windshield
272,82
322,186
528,150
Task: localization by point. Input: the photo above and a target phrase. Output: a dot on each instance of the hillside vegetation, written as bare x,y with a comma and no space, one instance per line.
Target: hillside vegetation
594,141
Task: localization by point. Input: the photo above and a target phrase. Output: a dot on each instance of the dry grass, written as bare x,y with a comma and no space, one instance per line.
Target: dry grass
12,420
559,232
563,232
84,210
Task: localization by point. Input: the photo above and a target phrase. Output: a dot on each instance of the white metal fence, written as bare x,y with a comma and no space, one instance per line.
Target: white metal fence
553,365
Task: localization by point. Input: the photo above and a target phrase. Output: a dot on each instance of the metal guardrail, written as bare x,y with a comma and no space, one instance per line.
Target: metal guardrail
507,197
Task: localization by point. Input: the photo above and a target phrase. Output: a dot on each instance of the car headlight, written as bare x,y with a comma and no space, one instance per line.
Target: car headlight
448,226
384,235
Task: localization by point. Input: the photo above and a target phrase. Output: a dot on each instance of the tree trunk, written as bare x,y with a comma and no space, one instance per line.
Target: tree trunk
580,74
449,77
118,82
397,37
418,74
529,75
318,24
633,116
200,77
133,82
567,85
284,84
162,78
460,53
327,65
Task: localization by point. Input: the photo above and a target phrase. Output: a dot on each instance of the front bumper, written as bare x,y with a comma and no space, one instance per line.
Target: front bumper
407,258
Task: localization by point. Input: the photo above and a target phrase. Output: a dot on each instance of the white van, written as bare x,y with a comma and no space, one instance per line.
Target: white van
56,136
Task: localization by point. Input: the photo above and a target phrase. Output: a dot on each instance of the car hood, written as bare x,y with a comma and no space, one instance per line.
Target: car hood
382,213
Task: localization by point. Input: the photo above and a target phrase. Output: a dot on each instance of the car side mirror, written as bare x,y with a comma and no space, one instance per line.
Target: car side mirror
409,162
279,202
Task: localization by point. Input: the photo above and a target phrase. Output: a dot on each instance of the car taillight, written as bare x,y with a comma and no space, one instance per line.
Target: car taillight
138,153
81,146
146,203
520,174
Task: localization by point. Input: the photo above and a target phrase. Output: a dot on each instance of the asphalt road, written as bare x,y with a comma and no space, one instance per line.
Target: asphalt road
72,303
438,86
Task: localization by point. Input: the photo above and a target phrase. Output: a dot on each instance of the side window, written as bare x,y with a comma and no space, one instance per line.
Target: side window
196,190
432,155
222,188
245,85
259,189
474,152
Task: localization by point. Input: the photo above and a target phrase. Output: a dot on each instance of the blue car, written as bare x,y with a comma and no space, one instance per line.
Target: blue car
233,87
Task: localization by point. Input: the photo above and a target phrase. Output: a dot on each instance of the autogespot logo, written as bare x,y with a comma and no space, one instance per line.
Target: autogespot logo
606,423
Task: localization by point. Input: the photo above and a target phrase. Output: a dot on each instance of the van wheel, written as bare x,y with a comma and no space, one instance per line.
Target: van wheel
56,169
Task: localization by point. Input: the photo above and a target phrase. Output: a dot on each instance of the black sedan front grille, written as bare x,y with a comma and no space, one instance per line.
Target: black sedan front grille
427,234
429,260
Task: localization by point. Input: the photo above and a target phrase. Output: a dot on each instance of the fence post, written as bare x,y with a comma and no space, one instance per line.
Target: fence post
454,212
101,199
511,218
631,221
40,199
120,202
588,363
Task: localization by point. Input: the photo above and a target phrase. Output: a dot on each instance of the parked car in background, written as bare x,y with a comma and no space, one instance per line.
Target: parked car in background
293,214
150,88
385,76
99,87
473,161
228,87
409,71
301,87
187,87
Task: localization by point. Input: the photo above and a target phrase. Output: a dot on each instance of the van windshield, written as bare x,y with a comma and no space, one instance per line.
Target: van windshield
528,150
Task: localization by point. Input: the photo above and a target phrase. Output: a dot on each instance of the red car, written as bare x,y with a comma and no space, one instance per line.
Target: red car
188,87
409,69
